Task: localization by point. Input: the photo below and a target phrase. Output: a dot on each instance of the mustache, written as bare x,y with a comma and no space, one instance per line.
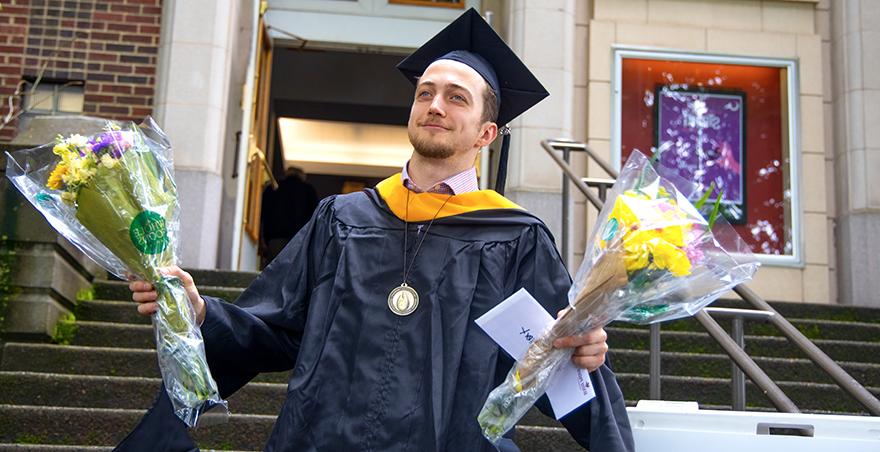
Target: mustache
432,123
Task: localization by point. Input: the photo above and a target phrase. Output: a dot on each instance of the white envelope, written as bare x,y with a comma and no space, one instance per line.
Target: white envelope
513,325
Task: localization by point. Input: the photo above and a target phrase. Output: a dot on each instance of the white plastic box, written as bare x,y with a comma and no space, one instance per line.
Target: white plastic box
660,426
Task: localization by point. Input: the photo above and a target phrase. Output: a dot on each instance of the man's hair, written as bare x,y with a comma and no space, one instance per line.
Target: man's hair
490,105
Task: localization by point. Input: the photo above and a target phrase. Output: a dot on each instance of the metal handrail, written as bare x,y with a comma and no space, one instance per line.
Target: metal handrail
733,349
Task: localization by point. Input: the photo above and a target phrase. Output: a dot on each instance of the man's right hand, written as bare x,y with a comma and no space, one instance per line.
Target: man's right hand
145,294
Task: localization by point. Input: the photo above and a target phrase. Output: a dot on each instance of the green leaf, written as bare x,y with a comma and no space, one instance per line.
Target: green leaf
699,204
716,209
655,157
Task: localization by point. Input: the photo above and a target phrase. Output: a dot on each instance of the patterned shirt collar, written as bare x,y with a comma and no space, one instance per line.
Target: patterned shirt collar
463,182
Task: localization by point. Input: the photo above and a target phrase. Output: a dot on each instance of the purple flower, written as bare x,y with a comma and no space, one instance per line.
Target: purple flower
115,143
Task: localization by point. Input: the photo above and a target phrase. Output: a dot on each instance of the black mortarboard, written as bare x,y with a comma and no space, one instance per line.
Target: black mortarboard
470,40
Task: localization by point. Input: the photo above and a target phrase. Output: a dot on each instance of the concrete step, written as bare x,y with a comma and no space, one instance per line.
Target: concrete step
84,360
813,311
767,346
212,277
814,329
62,448
809,397
98,428
91,391
541,439
110,311
112,334
107,427
106,289
811,328
719,366
52,448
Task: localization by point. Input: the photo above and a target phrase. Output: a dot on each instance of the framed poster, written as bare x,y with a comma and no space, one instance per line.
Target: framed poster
723,119
701,135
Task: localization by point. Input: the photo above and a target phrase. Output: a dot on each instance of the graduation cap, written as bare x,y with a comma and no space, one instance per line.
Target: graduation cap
470,40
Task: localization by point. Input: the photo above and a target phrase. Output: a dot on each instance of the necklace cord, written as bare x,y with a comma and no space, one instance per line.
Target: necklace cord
406,269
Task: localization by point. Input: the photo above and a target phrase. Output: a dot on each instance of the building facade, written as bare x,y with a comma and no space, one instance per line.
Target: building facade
247,88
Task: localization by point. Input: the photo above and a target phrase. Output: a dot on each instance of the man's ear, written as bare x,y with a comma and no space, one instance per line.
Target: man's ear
488,133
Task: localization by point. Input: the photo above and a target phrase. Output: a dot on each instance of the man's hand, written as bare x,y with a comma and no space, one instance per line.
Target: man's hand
145,294
589,348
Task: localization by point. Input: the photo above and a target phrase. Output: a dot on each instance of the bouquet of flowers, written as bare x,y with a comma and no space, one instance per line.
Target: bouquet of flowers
113,196
653,257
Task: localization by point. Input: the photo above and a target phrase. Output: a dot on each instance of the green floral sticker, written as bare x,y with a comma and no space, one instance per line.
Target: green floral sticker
148,233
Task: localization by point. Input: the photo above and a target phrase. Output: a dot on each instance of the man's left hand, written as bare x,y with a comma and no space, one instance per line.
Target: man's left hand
589,348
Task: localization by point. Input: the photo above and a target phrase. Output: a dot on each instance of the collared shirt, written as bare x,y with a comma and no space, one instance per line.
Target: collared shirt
463,182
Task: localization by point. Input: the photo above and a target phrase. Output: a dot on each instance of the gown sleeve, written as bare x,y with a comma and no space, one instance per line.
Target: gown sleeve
602,423
263,330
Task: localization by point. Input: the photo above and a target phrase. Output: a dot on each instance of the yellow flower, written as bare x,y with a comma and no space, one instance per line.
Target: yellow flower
670,257
56,178
80,170
673,234
663,193
659,247
636,244
623,213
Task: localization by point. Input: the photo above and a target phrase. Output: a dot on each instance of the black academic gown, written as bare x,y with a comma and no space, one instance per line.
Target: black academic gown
366,379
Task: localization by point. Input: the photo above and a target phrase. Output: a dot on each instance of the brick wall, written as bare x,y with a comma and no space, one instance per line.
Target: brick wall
13,32
110,46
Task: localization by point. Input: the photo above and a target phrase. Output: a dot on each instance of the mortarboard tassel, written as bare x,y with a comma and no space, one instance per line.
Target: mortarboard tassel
501,179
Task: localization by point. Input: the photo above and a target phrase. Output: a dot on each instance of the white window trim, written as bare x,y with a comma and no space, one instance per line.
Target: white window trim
796,258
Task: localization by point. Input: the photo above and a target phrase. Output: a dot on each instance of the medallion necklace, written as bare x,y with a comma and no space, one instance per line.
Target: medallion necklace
403,300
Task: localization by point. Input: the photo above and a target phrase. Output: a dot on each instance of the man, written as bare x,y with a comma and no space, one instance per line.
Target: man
373,303
285,211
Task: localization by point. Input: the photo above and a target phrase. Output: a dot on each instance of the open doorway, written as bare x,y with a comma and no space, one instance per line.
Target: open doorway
340,118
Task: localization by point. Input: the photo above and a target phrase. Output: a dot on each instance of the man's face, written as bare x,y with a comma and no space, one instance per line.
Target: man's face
446,115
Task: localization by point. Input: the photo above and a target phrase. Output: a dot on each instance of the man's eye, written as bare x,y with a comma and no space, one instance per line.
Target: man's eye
458,98
424,93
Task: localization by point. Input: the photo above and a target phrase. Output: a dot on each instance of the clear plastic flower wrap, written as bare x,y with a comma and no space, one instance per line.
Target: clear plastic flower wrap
652,257
113,196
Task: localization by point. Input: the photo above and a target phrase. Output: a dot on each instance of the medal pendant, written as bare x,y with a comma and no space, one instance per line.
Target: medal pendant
403,300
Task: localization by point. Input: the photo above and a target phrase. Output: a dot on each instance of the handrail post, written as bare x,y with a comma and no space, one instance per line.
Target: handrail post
738,379
654,359
548,146
745,362
566,200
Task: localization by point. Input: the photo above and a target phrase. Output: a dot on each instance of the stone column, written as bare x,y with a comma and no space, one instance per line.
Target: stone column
542,34
855,41
191,105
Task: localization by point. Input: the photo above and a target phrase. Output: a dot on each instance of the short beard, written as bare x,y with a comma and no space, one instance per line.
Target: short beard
429,149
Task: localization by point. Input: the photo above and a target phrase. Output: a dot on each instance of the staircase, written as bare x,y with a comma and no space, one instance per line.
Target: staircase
694,367
87,396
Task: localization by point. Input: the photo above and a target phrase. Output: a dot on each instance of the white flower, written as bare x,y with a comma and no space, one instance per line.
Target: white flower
78,140
108,161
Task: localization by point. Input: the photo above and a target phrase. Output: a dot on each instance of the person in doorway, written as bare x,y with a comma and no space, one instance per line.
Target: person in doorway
372,304
285,210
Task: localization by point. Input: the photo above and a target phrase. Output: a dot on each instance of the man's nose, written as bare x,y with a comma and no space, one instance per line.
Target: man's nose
436,107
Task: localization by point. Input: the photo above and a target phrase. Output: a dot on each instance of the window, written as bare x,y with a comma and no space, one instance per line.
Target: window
51,98
727,122
436,3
